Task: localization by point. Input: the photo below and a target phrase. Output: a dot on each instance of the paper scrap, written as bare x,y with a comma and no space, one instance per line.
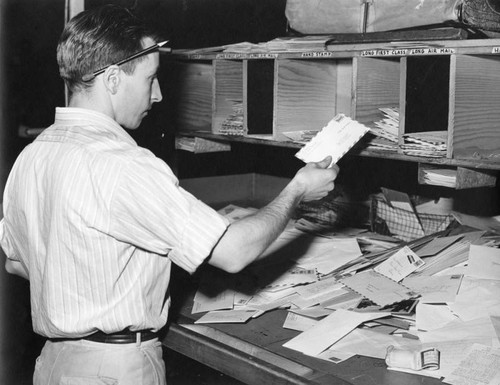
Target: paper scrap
329,330
378,288
227,316
437,245
370,343
481,366
431,317
435,289
400,265
477,298
298,322
484,262
204,302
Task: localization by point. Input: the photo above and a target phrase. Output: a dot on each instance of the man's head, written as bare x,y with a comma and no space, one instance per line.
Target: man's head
97,38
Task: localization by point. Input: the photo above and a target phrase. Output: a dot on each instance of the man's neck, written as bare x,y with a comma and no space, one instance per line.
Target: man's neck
91,102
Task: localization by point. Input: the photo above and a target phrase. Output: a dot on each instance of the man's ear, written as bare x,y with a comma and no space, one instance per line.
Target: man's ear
111,78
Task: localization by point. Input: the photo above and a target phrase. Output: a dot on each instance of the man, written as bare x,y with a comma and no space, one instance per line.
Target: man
94,221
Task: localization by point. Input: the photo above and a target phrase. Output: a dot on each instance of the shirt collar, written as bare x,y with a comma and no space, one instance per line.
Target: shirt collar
83,116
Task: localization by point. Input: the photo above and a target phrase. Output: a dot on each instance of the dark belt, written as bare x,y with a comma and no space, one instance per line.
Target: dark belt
122,337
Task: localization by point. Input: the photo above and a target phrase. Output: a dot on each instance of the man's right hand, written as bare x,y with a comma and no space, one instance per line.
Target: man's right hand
316,179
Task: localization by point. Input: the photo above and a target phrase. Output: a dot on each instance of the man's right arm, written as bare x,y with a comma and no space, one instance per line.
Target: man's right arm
246,239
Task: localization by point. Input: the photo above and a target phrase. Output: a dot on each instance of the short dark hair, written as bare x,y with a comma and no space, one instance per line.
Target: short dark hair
99,37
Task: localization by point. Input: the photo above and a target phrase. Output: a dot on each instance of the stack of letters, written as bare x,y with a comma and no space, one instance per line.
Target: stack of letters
233,124
438,293
386,134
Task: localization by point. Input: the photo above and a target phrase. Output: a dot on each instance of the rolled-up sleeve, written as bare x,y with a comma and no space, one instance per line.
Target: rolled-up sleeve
151,211
5,242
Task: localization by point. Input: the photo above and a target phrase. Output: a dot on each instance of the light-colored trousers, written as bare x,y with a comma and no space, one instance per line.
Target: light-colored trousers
82,362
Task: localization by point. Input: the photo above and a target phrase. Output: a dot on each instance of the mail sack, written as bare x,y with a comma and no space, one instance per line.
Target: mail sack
358,16
482,14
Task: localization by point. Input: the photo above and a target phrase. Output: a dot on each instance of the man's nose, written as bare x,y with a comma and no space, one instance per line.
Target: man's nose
156,95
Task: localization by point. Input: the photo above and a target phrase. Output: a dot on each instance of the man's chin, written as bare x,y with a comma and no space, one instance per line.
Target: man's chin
132,126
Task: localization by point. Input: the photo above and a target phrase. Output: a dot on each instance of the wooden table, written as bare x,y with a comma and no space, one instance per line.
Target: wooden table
253,352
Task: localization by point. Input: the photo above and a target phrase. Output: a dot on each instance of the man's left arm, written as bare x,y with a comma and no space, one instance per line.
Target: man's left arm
15,267
11,265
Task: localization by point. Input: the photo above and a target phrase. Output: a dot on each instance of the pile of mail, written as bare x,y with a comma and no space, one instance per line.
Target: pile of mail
438,295
233,124
386,137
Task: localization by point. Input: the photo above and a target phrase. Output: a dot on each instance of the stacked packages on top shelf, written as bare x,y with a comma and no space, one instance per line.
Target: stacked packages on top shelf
281,44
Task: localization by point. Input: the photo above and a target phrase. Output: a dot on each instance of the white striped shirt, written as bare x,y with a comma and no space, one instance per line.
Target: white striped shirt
96,221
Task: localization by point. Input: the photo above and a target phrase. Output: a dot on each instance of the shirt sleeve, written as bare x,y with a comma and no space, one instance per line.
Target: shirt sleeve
5,242
150,210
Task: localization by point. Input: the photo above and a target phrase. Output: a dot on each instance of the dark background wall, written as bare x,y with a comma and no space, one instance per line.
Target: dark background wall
30,90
